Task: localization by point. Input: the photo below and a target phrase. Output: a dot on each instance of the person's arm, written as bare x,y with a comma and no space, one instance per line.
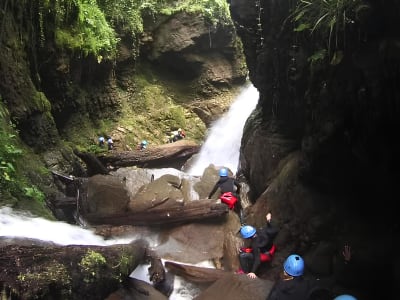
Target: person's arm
346,254
270,228
237,184
213,190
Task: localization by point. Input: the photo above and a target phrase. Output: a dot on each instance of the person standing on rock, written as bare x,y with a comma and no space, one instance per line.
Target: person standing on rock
260,247
101,141
229,187
110,143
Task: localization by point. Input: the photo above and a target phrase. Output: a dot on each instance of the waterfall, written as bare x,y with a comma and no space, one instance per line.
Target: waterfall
220,148
222,144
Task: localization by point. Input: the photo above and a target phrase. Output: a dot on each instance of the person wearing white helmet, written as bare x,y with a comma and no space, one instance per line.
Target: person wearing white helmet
177,135
110,143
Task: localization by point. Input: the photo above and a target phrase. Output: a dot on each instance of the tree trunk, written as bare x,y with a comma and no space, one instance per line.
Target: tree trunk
191,211
69,272
165,156
195,274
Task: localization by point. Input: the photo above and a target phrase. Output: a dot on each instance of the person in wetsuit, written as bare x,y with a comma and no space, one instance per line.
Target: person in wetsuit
292,285
260,247
229,187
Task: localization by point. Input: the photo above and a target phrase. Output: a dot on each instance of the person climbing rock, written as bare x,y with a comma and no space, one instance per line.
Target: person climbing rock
229,188
259,247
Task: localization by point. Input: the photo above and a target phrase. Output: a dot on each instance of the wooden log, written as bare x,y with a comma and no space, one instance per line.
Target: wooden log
93,164
190,211
172,155
194,273
67,272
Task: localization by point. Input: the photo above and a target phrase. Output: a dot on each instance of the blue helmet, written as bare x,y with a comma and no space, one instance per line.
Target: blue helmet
294,265
144,142
247,231
345,297
223,172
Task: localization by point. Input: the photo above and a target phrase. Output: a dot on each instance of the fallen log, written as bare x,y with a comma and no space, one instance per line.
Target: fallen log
173,155
67,272
194,273
190,211
93,165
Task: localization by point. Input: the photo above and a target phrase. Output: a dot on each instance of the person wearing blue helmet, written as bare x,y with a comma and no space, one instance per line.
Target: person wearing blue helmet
345,297
229,188
292,285
143,145
259,247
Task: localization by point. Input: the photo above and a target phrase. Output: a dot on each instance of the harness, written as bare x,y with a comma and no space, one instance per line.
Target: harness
265,256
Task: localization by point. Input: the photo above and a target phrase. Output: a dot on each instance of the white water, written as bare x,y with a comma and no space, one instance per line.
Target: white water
221,148
222,145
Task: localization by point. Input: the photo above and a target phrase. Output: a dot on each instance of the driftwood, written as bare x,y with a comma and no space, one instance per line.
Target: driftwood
71,272
172,155
93,165
195,274
190,211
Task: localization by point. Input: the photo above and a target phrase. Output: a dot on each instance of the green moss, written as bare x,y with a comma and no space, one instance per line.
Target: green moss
38,282
81,26
91,265
124,266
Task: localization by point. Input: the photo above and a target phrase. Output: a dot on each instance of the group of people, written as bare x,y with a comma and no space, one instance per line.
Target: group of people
109,141
175,136
259,248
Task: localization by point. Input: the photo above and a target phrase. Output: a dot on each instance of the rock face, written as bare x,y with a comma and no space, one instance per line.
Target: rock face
195,49
320,145
48,99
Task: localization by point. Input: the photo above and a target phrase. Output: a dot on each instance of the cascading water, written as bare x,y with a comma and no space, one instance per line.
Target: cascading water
222,145
221,148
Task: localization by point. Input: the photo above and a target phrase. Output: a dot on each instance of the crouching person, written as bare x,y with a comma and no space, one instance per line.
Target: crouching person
259,249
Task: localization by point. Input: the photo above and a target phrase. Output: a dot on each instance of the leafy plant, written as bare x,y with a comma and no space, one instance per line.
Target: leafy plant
81,26
326,18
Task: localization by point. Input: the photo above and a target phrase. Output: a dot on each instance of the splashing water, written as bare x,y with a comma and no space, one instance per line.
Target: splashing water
221,148
222,145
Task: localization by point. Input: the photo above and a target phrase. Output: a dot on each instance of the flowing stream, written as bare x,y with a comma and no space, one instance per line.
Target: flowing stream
221,148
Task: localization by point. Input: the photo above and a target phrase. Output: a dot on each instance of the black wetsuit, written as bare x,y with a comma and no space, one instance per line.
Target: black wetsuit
297,288
226,184
262,242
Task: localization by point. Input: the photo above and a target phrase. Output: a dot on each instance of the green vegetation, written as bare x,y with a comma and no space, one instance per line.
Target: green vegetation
87,27
158,107
80,26
49,273
124,266
327,20
91,264
14,183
